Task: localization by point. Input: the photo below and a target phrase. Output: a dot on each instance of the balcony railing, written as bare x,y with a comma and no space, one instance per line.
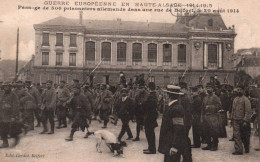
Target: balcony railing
212,66
181,65
167,63
137,62
90,62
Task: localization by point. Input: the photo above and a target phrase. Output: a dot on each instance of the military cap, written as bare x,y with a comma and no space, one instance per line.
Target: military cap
49,81
124,90
62,81
76,80
194,89
183,85
151,85
28,81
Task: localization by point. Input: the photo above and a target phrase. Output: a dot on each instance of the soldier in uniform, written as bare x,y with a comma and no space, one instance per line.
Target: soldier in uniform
36,100
211,106
9,115
196,115
241,115
63,95
124,109
90,97
186,103
26,104
140,98
48,107
104,104
172,141
150,118
81,112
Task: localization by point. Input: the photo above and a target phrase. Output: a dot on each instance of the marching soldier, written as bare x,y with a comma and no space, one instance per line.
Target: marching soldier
186,103
140,98
36,99
196,115
124,109
48,107
27,104
172,141
211,106
104,104
9,115
150,118
241,115
81,112
63,96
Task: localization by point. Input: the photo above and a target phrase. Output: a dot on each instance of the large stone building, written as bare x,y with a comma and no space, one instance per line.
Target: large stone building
195,45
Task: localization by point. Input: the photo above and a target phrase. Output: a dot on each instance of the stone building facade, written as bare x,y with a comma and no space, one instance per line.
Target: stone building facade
195,45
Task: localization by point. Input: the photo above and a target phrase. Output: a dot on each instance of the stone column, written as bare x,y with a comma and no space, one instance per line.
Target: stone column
129,53
220,55
160,54
114,52
80,54
145,54
98,52
205,54
175,55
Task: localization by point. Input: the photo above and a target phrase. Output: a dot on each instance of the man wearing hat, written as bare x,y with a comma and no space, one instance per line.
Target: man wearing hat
63,95
172,141
140,98
48,107
104,104
241,115
211,106
124,109
26,104
36,101
9,114
196,115
81,112
150,118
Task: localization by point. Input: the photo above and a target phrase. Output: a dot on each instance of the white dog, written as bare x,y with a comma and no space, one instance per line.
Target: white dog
111,141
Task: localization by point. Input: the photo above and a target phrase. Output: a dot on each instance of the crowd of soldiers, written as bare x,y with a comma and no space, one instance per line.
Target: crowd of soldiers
207,110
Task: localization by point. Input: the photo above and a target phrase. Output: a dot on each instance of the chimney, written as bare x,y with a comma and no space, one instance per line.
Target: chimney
80,17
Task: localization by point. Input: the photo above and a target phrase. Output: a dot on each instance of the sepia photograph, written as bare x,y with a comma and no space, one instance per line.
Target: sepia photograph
129,81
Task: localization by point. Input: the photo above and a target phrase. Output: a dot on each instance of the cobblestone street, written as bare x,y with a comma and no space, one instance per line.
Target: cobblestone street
54,148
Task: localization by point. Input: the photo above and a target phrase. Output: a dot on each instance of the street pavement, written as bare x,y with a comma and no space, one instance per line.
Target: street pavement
35,147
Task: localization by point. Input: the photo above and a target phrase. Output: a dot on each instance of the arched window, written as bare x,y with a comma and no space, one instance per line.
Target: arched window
167,53
182,53
90,51
106,51
212,53
137,52
152,52
121,51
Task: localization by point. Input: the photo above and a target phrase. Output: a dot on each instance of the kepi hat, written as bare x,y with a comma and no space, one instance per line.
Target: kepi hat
173,89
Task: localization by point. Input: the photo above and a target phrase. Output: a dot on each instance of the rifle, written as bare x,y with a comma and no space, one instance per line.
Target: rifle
92,71
204,75
183,74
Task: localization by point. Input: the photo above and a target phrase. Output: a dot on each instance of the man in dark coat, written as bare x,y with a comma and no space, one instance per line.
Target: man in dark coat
172,141
140,98
124,109
150,118
211,123
9,115
48,107
196,115
81,112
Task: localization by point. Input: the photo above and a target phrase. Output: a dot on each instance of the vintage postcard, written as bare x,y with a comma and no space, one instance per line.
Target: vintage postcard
129,80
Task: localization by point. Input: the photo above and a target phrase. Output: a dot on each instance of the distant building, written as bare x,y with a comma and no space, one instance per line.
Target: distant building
72,48
250,63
